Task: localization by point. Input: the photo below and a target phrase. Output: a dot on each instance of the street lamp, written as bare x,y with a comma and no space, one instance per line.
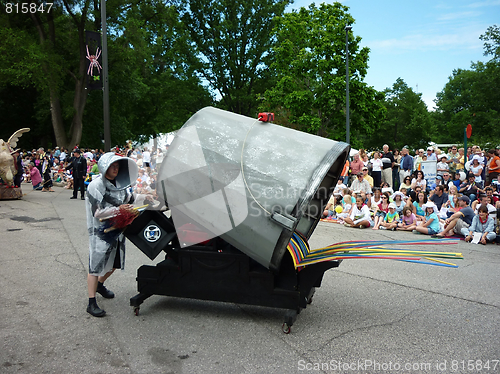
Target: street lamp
347,29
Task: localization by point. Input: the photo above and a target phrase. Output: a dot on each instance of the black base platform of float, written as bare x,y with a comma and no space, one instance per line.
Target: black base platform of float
230,276
217,271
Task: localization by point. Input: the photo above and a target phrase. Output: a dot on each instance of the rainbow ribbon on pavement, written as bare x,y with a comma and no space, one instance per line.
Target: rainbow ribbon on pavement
302,255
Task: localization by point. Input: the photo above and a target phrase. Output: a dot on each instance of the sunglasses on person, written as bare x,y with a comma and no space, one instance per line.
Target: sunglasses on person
384,197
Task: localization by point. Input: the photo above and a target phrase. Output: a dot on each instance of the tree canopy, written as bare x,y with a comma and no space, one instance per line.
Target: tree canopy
309,64
168,59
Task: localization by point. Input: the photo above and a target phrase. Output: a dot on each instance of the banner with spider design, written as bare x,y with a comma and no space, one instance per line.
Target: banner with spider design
94,60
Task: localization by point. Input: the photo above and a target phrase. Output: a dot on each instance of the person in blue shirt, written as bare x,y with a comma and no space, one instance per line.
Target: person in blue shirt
406,165
431,224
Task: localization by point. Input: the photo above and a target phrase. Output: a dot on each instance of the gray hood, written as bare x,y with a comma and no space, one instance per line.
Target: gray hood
127,176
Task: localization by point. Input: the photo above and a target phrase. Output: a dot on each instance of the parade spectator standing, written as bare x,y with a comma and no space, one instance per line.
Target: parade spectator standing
345,172
493,166
18,177
417,162
461,160
146,158
376,169
395,169
453,160
79,166
47,178
356,167
431,156
63,155
406,165
459,220
387,165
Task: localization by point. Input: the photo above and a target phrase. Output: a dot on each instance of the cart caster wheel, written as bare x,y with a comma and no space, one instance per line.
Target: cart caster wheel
286,329
136,310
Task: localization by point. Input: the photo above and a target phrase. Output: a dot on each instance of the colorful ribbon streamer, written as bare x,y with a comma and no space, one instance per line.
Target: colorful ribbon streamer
302,255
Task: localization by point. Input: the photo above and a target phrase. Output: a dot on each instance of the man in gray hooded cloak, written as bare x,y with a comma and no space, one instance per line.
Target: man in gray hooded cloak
105,195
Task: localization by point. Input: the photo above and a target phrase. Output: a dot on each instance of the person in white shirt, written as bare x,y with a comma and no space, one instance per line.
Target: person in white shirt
146,158
360,215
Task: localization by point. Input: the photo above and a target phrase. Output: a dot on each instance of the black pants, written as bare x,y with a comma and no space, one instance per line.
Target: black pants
78,183
17,180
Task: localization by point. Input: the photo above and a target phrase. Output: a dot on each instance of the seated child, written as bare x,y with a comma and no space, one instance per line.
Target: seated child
391,219
408,219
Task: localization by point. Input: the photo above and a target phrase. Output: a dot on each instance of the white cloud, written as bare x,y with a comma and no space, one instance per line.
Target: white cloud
468,39
480,4
459,15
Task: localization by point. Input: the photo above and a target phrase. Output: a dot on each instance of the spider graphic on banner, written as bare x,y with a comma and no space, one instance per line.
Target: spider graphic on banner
94,63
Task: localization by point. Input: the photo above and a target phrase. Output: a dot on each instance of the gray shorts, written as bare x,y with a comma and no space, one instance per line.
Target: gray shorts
461,224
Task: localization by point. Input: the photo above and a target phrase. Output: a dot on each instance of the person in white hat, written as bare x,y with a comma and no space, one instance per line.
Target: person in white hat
391,219
431,156
476,168
431,224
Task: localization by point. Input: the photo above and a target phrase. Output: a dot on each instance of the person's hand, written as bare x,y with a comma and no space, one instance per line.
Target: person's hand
127,206
468,238
483,240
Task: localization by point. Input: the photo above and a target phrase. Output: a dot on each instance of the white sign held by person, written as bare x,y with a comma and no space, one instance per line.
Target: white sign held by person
429,169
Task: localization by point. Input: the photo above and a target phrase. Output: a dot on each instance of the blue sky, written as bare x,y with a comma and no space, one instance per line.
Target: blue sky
422,41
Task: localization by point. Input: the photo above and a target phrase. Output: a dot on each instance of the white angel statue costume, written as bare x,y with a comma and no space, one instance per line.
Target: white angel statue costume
104,197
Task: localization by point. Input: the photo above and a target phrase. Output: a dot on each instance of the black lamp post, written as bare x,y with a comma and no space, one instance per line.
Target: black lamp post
347,29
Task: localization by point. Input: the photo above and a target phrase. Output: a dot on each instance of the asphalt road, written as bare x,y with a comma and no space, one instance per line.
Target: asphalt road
369,315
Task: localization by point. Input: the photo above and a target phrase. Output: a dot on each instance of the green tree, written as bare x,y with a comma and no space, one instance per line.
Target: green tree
150,71
232,39
470,97
50,47
309,62
407,121
491,39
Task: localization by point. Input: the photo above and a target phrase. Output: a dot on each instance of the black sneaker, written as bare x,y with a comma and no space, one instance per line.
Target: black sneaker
83,198
94,310
104,292
73,197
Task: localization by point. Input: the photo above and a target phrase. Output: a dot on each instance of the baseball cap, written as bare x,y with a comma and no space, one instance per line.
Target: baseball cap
465,198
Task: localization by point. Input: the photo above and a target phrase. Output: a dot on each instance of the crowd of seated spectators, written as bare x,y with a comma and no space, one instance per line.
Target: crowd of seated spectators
400,198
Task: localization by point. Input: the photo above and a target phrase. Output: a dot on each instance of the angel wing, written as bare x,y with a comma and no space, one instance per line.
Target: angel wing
15,137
